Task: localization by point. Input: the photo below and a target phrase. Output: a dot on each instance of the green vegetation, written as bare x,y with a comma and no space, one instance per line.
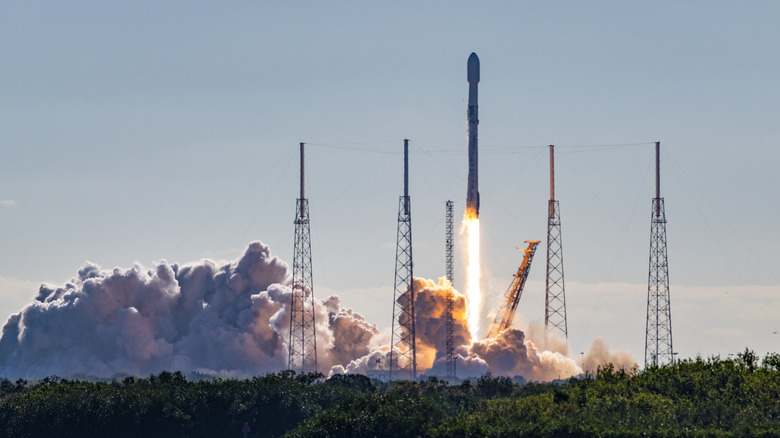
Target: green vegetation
693,398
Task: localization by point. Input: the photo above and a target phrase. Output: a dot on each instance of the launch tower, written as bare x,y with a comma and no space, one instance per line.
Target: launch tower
403,354
555,296
658,332
506,311
450,341
303,340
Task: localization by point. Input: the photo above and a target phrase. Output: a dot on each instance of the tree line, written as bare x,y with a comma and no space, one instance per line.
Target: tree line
692,398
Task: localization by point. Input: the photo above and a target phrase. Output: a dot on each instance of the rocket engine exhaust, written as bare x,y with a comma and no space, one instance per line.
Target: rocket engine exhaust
473,274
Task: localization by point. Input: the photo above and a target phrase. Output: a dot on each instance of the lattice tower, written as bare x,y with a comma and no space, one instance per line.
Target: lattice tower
303,339
658,333
555,296
506,311
450,344
403,354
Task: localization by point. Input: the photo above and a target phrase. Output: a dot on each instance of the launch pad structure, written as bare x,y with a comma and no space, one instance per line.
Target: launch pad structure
555,291
506,312
402,364
449,240
658,332
403,352
302,354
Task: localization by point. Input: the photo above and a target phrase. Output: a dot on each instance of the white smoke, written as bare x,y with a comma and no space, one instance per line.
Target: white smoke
377,359
231,319
430,307
599,355
550,339
510,353
350,335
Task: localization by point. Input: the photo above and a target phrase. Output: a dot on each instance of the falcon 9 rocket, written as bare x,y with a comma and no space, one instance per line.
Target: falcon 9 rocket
472,194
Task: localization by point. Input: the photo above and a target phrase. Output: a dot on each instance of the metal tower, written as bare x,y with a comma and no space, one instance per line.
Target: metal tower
658,332
403,353
303,340
449,241
555,296
450,345
507,309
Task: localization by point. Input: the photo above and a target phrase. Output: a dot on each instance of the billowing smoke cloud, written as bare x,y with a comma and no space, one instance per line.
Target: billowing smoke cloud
552,339
509,354
234,319
377,359
430,306
599,355
351,336
230,319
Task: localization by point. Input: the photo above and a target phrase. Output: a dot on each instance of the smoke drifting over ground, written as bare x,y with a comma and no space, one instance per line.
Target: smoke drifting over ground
233,319
599,355
508,354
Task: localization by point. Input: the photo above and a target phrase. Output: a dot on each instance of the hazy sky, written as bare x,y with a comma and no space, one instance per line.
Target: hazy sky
140,131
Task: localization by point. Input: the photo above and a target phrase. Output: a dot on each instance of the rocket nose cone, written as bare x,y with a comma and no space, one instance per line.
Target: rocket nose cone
473,69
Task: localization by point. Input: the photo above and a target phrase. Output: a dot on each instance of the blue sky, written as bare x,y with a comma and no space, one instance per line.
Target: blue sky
137,131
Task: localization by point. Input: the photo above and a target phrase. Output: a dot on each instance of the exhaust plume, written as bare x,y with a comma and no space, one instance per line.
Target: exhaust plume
231,319
599,355
509,354
473,274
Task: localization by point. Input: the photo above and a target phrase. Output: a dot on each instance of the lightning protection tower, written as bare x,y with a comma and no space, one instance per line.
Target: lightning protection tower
403,353
658,332
555,296
450,341
303,340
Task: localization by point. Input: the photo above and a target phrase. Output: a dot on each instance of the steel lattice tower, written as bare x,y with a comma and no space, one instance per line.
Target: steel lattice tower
403,353
449,242
658,332
450,345
303,339
555,296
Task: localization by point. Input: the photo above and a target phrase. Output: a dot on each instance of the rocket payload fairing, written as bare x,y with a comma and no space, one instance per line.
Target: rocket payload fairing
472,194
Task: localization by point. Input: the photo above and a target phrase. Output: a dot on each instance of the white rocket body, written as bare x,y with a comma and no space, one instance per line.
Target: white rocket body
472,194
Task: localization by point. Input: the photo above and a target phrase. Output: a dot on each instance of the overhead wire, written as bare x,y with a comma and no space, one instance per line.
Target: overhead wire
681,170
484,148
331,201
267,197
231,201
360,146
716,239
630,220
606,275
604,206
